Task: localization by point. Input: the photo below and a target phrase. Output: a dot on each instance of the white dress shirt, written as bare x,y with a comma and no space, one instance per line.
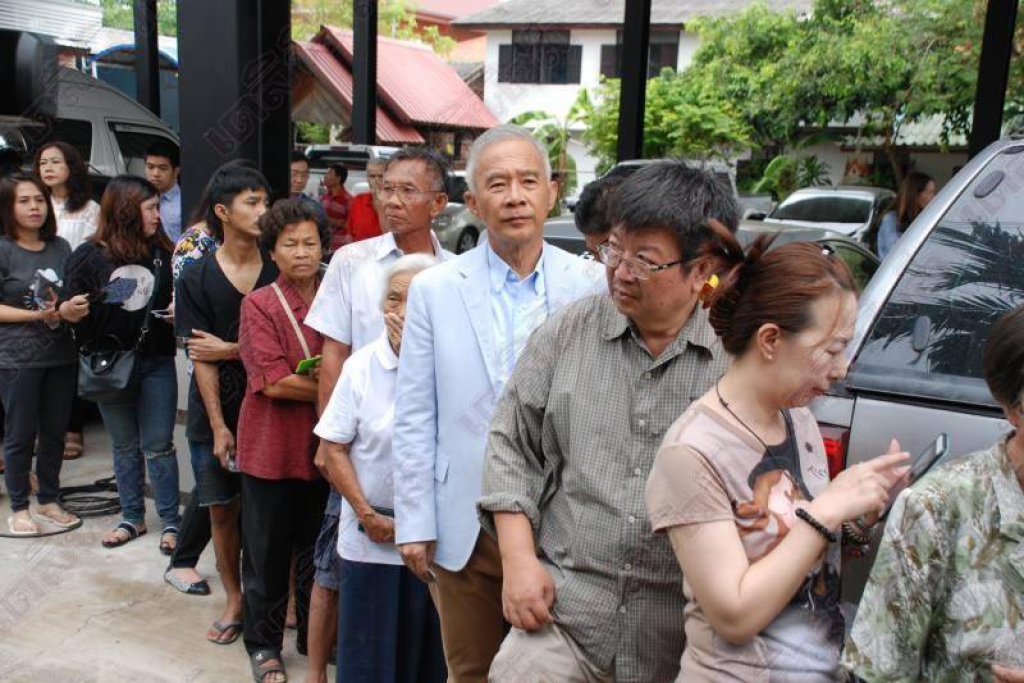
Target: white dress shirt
347,305
361,413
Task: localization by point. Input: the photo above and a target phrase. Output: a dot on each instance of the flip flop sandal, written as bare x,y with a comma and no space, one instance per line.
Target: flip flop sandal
73,524
73,448
197,588
130,529
221,629
260,669
11,522
166,547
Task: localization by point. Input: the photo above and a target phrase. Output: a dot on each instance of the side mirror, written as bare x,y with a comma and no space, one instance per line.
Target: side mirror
756,216
922,334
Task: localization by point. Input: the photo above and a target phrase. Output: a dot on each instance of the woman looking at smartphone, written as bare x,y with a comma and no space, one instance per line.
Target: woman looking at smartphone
402,640
741,483
125,268
37,354
947,588
283,494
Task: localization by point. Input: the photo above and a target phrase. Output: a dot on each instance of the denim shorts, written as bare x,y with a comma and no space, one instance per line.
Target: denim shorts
214,484
325,555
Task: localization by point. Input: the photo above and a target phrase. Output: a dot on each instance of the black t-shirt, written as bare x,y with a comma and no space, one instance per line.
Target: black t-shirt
207,301
28,279
119,294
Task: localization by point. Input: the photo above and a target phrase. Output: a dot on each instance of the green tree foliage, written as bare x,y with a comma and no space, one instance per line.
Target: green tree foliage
681,119
760,76
118,14
395,19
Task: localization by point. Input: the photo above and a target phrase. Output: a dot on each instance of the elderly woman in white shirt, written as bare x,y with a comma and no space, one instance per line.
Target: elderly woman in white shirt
388,629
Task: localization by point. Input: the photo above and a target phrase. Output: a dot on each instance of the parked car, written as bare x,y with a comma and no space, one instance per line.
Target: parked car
456,226
111,130
562,232
353,157
852,210
922,325
749,204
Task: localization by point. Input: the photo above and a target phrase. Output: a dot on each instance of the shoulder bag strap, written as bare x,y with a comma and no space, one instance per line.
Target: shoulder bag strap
157,264
291,319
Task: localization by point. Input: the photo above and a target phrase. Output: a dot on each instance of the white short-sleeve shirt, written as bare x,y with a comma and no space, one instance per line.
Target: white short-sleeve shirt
361,413
347,305
76,226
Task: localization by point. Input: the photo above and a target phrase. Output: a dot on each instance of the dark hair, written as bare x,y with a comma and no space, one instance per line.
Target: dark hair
201,211
227,182
591,214
120,231
287,212
339,170
79,187
1003,360
756,288
673,196
905,203
297,156
165,149
8,197
435,164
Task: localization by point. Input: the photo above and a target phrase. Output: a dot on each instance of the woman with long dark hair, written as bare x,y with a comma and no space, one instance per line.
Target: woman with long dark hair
37,355
63,171
125,268
741,483
916,191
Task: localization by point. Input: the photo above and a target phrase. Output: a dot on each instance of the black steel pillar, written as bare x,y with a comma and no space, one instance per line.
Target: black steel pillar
364,72
147,58
993,72
636,38
235,99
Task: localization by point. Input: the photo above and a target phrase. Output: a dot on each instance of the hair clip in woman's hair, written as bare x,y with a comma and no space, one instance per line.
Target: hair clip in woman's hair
708,290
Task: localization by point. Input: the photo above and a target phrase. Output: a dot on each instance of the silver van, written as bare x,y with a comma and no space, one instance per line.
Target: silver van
922,326
111,130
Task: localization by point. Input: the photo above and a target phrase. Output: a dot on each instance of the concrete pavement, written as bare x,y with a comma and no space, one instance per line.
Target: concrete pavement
72,611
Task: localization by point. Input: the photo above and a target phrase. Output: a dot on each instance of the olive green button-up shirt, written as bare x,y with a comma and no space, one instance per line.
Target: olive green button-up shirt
946,593
571,444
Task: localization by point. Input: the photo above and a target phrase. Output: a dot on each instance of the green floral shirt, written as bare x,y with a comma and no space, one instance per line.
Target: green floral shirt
946,593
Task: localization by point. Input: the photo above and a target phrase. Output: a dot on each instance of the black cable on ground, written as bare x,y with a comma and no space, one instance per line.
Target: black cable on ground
98,499
93,500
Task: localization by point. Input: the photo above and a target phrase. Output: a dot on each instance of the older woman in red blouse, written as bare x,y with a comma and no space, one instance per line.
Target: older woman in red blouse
283,495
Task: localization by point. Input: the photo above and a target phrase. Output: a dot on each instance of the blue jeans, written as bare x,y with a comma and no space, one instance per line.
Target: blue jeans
141,427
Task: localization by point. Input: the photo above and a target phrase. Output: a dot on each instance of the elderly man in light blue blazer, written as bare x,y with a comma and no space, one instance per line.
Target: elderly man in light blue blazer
466,323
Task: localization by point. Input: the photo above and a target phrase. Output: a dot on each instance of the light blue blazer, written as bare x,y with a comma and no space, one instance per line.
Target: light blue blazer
446,393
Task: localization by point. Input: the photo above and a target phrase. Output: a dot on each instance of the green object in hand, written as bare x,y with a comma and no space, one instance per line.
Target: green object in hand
306,366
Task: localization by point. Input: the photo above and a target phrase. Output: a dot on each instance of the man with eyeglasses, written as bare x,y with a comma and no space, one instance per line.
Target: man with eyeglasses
299,168
591,592
347,312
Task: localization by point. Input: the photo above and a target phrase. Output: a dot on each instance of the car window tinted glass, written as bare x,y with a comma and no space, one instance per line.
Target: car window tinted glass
133,145
827,209
967,274
860,263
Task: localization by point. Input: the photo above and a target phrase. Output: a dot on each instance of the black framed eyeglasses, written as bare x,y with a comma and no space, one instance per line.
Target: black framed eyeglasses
641,270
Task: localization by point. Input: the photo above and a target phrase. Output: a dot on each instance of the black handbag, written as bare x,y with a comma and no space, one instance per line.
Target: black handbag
105,375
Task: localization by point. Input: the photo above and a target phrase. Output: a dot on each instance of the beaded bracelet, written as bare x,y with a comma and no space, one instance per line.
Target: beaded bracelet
852,536
831,536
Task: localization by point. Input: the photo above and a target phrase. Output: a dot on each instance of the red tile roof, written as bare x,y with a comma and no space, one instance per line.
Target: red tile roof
337,78
417,84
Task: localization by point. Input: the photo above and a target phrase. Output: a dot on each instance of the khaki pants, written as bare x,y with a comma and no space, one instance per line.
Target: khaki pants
469,604
545,656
